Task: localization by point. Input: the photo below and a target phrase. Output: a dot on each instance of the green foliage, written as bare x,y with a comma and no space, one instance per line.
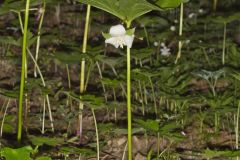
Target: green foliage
73,150
39,141
150,125
126,10
226,19
23,153
17,154
170,4
215,153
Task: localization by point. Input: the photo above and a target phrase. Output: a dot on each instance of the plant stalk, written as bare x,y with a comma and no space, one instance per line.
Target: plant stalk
237,127
97,137
22,83
129,114
224,43
180,34
39,35
82,74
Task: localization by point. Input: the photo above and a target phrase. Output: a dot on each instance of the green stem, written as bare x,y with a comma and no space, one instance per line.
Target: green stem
68,76
4,115
146,34
154,96
141,95
129,114
180,34
237,126
22,84
206,56
82,74
39,35
97,137
90,67
224,43
101,78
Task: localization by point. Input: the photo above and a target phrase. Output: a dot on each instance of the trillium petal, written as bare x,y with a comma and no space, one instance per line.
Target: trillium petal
117,30
128,40
112,41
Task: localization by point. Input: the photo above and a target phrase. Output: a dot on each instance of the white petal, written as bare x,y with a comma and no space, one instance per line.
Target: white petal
112,41
129,40
117,30
162,44
165,53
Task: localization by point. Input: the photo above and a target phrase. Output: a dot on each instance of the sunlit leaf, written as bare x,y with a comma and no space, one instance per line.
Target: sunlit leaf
126,10
17,154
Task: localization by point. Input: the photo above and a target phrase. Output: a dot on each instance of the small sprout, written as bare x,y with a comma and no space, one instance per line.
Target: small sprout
118,36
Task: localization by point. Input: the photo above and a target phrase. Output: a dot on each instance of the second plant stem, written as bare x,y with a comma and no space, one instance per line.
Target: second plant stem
23,69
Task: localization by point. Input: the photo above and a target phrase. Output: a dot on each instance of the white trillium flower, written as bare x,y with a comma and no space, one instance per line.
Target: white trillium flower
119,37
175,21
155,44
191,15
173,28
165,51
200,10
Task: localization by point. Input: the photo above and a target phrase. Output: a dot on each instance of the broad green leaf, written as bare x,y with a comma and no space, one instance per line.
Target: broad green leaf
126,10
169,3
226,19
39,141
70,58
17,154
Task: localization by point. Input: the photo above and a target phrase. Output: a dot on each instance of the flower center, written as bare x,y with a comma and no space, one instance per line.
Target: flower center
120,40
